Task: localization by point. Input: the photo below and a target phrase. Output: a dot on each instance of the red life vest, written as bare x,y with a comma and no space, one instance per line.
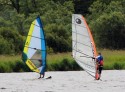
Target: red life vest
101,63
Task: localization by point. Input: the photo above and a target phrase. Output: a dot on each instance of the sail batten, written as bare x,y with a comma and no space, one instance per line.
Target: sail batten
83,46
35,48
82,43
87,55
80,34
37,37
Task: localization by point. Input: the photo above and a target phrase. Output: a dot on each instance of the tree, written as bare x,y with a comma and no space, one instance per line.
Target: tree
108,24
57,25
11,41
17,16
82,6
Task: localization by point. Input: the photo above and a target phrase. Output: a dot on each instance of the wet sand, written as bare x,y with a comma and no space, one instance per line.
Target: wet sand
67,81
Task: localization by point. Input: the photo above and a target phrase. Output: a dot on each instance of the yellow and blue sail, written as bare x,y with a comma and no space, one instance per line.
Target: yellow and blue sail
34,53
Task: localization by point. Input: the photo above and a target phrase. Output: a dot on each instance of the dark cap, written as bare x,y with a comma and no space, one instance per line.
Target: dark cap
99,53
40,60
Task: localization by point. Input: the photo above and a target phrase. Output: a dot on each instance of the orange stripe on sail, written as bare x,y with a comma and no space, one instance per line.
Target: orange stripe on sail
94,47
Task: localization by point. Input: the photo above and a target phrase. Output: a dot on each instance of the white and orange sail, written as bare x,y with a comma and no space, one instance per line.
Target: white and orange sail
83,46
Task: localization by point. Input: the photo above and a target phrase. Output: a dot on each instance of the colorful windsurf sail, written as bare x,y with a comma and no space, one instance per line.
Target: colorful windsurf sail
34,53
83,46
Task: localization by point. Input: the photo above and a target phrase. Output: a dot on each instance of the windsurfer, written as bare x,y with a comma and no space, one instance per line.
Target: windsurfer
99,61
42,72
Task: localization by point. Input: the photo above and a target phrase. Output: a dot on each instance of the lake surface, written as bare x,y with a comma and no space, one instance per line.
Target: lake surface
67,81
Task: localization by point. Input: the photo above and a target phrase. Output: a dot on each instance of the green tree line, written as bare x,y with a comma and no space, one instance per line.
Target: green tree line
105,18
107,21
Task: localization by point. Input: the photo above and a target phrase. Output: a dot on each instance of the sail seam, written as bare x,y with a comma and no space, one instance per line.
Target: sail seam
88,56
80,34
81,43
34,48
36,25
36,37
86,65
78,25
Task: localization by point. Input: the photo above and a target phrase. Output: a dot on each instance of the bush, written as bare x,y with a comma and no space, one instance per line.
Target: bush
5,46
107,23
13,66
58,38
11,41
5,67
64,65
118,66
108,67
20,67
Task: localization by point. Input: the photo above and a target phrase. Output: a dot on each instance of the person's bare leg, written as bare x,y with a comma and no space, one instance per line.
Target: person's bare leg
40,76
99,77
43,75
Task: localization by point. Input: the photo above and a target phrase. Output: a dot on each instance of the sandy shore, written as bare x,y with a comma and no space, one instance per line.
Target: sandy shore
68,81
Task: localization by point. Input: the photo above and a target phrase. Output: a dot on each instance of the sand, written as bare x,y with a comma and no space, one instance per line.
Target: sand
67,81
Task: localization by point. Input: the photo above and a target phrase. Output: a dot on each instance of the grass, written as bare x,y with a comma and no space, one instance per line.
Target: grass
6,58
113,59
61,62
12,63
51,58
